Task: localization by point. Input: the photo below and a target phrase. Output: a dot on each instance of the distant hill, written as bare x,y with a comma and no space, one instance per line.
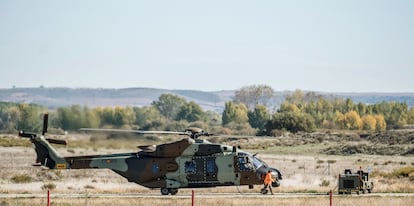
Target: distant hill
57,97
92,97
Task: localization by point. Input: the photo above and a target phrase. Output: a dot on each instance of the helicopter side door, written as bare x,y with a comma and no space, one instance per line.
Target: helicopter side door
194,170
201,170
244,166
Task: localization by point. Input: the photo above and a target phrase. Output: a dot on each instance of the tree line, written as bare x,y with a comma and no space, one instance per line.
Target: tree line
248,113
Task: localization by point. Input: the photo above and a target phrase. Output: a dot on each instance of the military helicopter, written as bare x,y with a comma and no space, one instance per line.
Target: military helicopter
187,163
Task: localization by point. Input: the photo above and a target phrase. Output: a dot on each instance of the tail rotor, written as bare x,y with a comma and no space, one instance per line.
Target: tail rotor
44,131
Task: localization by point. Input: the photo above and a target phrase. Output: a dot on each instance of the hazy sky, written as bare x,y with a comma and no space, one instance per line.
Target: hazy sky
340,46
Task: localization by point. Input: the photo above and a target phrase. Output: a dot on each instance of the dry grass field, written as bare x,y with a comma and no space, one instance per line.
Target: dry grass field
314,201
305,168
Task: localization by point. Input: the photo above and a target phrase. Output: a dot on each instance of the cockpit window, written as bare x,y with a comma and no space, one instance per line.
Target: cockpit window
245,162
257,163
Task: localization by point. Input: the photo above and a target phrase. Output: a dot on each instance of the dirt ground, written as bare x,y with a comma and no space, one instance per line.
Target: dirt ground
304,165
300,173
314,201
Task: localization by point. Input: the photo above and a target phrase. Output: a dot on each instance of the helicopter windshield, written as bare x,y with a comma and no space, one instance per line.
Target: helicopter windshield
257,163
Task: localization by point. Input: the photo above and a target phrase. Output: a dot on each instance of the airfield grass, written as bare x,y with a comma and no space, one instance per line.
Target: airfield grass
308,149
245,201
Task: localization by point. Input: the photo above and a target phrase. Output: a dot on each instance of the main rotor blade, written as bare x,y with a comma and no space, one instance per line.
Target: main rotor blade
132,131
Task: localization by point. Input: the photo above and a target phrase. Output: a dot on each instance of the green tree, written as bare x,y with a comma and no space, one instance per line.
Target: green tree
123,116
290,121
349,105
190,112
144,116
106,115
289,107
169,105
11,118
258,117
234,113
29,118
398,116
213,118
91,118
70,118
410,116
361,109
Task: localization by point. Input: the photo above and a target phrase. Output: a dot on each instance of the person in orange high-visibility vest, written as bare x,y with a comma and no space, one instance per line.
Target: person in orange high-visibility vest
268,180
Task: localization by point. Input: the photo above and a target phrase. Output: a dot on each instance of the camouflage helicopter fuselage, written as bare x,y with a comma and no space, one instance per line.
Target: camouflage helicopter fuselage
186,163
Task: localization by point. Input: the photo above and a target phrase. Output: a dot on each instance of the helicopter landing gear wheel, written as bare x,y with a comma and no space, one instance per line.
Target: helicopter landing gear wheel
165,191
173,191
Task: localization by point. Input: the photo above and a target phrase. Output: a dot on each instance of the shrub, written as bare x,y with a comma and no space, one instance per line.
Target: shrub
6,141
89,187
325,183
291,121
21,178
49,186
331,161
402,172
277,132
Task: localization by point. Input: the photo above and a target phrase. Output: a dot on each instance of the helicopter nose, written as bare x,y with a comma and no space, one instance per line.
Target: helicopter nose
276,183
277,176
276,173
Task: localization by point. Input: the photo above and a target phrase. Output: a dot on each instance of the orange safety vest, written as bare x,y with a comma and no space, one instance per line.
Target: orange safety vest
268,178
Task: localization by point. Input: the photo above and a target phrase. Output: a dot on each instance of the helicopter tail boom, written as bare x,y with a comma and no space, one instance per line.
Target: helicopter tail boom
47,156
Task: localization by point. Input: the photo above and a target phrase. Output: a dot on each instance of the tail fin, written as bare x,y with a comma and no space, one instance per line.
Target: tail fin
46,154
